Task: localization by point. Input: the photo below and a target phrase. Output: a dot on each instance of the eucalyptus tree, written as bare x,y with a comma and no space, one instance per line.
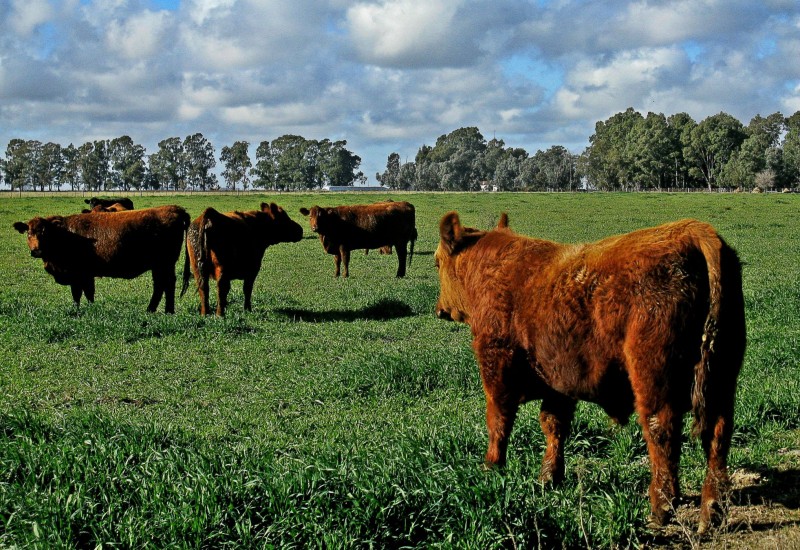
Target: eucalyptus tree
608,159
760,151
199,158
168,164
236,159
391,176
18,165
292,171
649,150
94,164
72,168
265,170
711,144
50,166
791,150
127,163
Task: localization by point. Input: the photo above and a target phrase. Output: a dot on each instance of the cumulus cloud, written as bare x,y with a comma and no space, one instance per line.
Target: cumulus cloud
26,15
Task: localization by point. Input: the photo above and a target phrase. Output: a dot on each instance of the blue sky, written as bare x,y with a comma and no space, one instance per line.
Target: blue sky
387,76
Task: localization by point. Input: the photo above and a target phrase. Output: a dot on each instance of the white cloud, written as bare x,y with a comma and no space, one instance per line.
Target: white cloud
140,36
26,15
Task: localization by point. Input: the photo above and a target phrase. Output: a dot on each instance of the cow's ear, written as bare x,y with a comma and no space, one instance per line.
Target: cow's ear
502,223
305,211
450,230
87,201
21,227
274,208
264,207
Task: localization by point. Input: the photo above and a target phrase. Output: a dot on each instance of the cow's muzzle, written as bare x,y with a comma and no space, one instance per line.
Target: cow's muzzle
36,253
443,314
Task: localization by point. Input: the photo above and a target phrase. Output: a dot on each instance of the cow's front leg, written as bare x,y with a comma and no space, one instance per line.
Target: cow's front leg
555,418
346,258
77,290
662,432
88,289
223,288
169,281
337,260
502,397
247,288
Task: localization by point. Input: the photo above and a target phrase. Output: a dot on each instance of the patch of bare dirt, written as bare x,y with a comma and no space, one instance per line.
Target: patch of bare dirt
763,514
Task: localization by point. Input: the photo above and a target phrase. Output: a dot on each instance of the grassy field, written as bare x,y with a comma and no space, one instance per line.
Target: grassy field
342,413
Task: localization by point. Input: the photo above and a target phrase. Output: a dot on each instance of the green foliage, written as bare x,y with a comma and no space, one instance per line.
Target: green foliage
340,413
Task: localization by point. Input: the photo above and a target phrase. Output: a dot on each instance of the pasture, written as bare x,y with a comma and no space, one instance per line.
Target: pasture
342,413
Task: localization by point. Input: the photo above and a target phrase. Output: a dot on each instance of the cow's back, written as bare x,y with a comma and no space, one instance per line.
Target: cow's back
375,225
129,243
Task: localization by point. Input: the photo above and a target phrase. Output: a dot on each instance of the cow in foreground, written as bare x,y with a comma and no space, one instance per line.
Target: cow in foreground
651,322
231,246
365,226
124,202
75,249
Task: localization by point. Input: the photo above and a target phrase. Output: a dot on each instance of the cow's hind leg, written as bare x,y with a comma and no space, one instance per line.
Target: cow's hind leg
203,290
88,289
401,259
158,290
662,432
716,439
76,290
168,286
223,288
247,288
337,260
555,418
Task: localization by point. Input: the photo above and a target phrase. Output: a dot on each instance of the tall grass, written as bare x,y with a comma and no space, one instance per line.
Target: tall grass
340,412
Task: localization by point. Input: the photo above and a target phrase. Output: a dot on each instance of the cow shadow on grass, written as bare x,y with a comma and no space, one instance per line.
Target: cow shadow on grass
382,310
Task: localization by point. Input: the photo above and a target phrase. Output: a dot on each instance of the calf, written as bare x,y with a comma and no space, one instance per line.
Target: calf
651,322
231,246
380,225
76,249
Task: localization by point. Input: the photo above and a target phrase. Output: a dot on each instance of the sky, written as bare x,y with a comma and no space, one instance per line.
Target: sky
387,76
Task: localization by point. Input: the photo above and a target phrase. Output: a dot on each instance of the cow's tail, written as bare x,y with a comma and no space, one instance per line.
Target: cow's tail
724,336
195,245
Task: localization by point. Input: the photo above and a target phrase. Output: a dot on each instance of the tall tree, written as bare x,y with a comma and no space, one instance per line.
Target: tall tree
237,164
391,176
72,167
51,166
200,161
168,164
289,152
265,171
791,150
608,161
712,142
680,127
94,162
18,165
650,148
127,163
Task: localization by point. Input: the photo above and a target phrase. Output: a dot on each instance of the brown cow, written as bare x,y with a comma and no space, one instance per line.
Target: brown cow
231,246
380,225
115,207
125,202
75,249
651,321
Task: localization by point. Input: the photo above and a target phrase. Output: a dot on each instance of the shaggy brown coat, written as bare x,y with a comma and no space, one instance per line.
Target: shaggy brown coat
365,226
76,249
651,322
231,246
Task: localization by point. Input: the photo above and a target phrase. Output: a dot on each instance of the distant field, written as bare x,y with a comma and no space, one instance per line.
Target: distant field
342,413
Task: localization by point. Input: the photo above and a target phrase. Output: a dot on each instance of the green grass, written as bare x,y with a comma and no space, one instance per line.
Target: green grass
341,413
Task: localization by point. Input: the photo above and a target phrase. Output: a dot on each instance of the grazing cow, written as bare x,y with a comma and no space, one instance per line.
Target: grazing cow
380,225
115,207
75,249
125,202
231,246
651,321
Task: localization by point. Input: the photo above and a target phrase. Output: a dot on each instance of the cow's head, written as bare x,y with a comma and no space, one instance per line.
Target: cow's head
317,217
454,239
287,230
39,231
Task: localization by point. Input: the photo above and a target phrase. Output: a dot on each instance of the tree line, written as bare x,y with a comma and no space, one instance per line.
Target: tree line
287,163
629,151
